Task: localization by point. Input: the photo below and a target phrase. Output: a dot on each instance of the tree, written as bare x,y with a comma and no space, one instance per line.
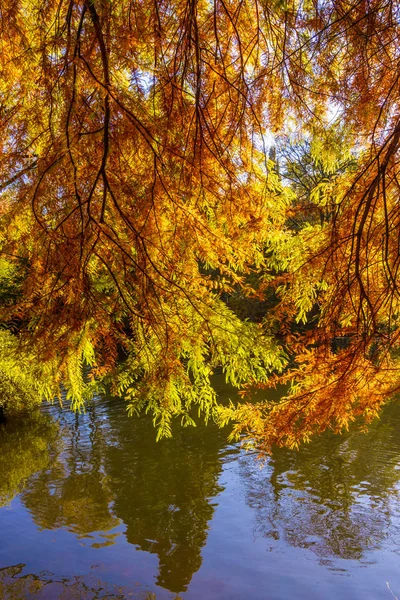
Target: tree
128,178
312,166
136,191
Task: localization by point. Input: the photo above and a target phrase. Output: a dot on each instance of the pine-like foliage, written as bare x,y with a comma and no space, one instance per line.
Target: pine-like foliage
136,196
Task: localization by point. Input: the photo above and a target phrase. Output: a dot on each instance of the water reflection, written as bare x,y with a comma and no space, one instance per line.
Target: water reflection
163,493
103,478
104,469
335,496
74,491
25,448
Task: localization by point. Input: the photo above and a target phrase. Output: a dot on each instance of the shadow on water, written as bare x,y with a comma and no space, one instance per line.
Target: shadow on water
102,477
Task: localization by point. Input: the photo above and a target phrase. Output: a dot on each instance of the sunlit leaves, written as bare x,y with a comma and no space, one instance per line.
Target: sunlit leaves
137,196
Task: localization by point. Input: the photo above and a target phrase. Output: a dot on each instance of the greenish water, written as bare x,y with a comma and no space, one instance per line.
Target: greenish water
92,507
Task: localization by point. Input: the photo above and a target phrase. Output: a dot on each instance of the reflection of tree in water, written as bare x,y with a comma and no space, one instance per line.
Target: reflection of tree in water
14,585
109,467
25,448
74,491
335,495
163,490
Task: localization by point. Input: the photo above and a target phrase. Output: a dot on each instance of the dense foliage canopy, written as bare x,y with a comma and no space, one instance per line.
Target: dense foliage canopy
139,198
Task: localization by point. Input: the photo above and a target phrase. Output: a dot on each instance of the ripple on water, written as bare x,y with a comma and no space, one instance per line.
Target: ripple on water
198,509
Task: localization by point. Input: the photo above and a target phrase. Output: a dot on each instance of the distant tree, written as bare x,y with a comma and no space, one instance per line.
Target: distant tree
311,167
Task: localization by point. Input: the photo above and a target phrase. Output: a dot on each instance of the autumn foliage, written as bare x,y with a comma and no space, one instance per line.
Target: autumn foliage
138,195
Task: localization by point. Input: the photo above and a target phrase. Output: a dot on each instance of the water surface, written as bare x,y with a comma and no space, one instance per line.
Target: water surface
92,507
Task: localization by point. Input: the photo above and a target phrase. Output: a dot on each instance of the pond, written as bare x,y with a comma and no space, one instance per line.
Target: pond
91,506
